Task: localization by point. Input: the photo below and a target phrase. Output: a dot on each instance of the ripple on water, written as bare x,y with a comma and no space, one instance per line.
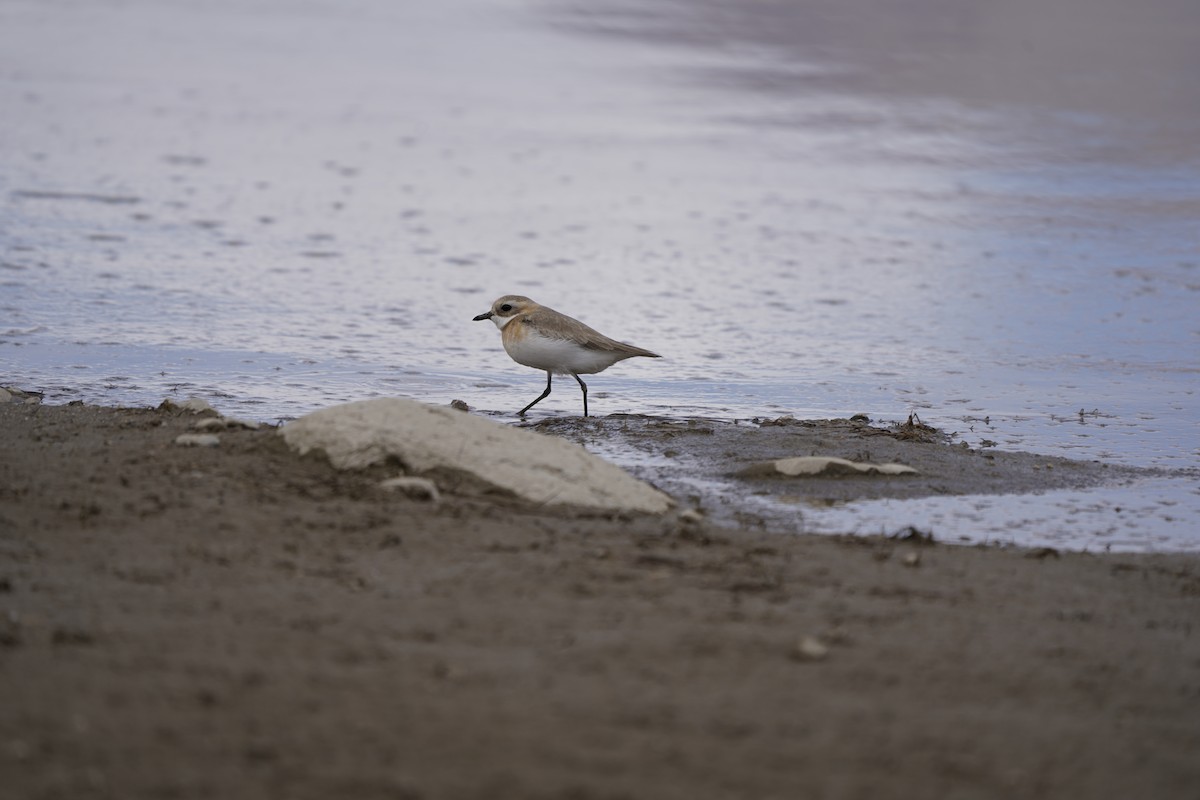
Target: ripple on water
818,254
1146,515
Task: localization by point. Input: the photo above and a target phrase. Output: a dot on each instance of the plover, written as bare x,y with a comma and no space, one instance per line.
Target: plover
542,338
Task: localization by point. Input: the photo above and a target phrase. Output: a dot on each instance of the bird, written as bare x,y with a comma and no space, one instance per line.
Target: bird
542,338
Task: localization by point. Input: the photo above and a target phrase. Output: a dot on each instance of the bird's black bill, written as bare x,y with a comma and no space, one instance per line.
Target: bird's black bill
488,315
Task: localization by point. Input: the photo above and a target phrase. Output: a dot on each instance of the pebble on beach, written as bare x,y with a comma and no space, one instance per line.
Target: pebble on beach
197,440
823,466
810,648
416,488
193,405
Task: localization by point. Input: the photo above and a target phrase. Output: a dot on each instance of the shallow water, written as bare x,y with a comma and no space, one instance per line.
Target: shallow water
280,206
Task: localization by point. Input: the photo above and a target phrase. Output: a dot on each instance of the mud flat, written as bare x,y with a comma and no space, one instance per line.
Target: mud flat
719,464
239,621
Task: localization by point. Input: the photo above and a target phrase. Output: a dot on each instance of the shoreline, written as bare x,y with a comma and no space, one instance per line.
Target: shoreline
239,621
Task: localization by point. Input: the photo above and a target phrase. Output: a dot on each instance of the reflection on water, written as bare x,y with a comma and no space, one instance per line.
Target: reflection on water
1151,514
817,208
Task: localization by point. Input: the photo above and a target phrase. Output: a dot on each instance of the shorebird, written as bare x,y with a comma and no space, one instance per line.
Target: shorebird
542,338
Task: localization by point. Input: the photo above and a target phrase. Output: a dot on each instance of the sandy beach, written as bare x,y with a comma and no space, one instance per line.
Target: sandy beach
827,217
239,621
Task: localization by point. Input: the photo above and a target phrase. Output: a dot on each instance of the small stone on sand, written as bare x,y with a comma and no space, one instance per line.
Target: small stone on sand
197,440
810,648
193,405
416,488
823,466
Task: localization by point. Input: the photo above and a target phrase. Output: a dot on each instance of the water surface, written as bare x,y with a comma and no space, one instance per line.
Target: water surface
987,216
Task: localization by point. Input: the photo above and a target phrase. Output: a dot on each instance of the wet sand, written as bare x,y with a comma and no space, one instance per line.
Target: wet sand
242,622
719,462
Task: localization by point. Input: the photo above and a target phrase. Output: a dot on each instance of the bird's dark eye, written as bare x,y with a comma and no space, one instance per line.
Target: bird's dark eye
507,307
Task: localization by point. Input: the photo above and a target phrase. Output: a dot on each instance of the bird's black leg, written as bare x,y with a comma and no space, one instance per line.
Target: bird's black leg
583,386
541,397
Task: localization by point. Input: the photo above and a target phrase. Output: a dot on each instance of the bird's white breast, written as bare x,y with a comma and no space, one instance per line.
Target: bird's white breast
558,355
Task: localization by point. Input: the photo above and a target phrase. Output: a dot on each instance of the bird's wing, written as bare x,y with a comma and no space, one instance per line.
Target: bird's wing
551,323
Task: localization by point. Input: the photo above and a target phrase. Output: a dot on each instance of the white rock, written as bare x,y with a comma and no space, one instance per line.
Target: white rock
826,466
810,648
5,396
416,488
541,469
197,440
193,404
